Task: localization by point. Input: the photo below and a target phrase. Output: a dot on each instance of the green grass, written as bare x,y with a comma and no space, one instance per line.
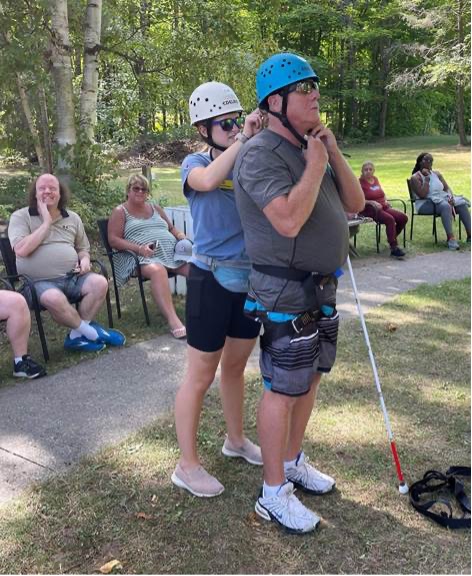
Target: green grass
76,522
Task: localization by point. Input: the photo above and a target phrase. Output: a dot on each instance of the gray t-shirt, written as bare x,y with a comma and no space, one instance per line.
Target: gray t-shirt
267,167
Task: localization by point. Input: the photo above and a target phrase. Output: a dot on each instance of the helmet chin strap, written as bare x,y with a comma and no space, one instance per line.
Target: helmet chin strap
209,138
286,122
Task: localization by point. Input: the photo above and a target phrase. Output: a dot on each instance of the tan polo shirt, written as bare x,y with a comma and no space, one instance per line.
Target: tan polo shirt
57,255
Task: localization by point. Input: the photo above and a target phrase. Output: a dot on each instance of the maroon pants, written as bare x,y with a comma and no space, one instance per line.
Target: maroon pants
394,221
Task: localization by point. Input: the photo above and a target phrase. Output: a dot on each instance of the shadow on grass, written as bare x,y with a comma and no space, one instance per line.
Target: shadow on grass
120,504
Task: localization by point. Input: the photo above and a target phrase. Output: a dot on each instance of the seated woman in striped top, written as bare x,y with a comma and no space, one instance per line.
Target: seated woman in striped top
142,227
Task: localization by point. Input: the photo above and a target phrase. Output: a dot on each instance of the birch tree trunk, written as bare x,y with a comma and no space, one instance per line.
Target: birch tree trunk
46,134
89,90
27,108
31,125
62,75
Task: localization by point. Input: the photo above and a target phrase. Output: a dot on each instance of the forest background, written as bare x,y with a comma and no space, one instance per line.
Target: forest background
83,82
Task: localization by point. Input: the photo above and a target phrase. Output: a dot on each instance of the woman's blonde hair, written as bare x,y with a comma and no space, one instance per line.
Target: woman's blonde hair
367,163
136,179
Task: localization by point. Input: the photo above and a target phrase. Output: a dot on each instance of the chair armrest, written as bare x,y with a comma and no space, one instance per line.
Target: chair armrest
101,266
6,282
30,283
113,252
403,203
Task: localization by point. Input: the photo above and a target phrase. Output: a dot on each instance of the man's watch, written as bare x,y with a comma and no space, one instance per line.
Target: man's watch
241,137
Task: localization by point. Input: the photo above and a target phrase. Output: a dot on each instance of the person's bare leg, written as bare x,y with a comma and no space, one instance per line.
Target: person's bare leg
160,289
14,309
272,426
182,270
299,419
60,309
199,374
234,359
94,291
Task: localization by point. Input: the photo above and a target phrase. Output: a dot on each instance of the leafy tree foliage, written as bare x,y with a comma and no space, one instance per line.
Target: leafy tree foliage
388,67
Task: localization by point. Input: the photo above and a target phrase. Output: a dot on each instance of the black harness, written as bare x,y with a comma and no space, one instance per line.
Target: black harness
275,330
450,489
292,273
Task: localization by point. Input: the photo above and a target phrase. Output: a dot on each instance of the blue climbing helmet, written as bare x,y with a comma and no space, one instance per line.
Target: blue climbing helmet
280,71
275,75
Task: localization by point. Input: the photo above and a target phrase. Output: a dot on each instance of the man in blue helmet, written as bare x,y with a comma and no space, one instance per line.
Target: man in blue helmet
293,187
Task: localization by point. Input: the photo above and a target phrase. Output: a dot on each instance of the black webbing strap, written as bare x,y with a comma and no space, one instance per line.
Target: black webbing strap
275,330
283,272
434,481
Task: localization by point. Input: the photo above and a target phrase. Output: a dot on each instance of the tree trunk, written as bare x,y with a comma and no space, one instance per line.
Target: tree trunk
27,109
46,135
340,90
385,70
31,125
62,75
460,86
89,90
460,115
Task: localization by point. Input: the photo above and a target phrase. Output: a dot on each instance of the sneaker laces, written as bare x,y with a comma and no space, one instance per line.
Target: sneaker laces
288,503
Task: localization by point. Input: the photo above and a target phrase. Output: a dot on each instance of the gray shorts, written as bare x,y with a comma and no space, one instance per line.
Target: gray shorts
70,285
289,364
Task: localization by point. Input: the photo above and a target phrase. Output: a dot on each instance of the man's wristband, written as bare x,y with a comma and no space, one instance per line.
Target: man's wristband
241,137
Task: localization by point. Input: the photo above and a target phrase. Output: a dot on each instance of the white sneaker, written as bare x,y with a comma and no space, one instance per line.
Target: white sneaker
286,510
308,478
453,244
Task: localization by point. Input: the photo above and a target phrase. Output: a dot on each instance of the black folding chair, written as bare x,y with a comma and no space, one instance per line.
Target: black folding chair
18,280
414,197
378,226
109,251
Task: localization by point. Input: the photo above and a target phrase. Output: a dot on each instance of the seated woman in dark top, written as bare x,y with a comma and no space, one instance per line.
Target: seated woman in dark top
377,208
142,227
432,191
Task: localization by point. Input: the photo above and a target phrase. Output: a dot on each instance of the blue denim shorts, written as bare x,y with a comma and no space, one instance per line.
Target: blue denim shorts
70,285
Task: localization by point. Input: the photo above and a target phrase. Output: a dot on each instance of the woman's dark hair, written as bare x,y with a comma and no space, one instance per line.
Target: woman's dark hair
63,191
419,160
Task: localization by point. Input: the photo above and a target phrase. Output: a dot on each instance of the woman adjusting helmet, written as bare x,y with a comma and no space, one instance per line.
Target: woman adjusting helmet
217,285
210,100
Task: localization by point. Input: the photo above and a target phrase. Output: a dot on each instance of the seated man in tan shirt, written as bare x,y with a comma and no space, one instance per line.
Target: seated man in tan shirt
52,249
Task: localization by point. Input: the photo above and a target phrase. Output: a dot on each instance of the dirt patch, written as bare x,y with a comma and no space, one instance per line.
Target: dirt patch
145,152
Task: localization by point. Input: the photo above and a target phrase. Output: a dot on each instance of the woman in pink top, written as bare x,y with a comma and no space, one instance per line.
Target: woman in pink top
377,208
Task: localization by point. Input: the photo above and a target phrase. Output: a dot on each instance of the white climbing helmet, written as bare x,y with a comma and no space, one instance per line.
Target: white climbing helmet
212,99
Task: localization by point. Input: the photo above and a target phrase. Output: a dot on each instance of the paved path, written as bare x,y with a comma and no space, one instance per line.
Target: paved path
47,425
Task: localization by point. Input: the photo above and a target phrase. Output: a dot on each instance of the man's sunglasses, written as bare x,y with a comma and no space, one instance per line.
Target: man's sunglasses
228,123
305,86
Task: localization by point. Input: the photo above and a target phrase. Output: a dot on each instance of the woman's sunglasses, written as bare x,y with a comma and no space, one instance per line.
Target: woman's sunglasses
305,86
139,189
228,123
